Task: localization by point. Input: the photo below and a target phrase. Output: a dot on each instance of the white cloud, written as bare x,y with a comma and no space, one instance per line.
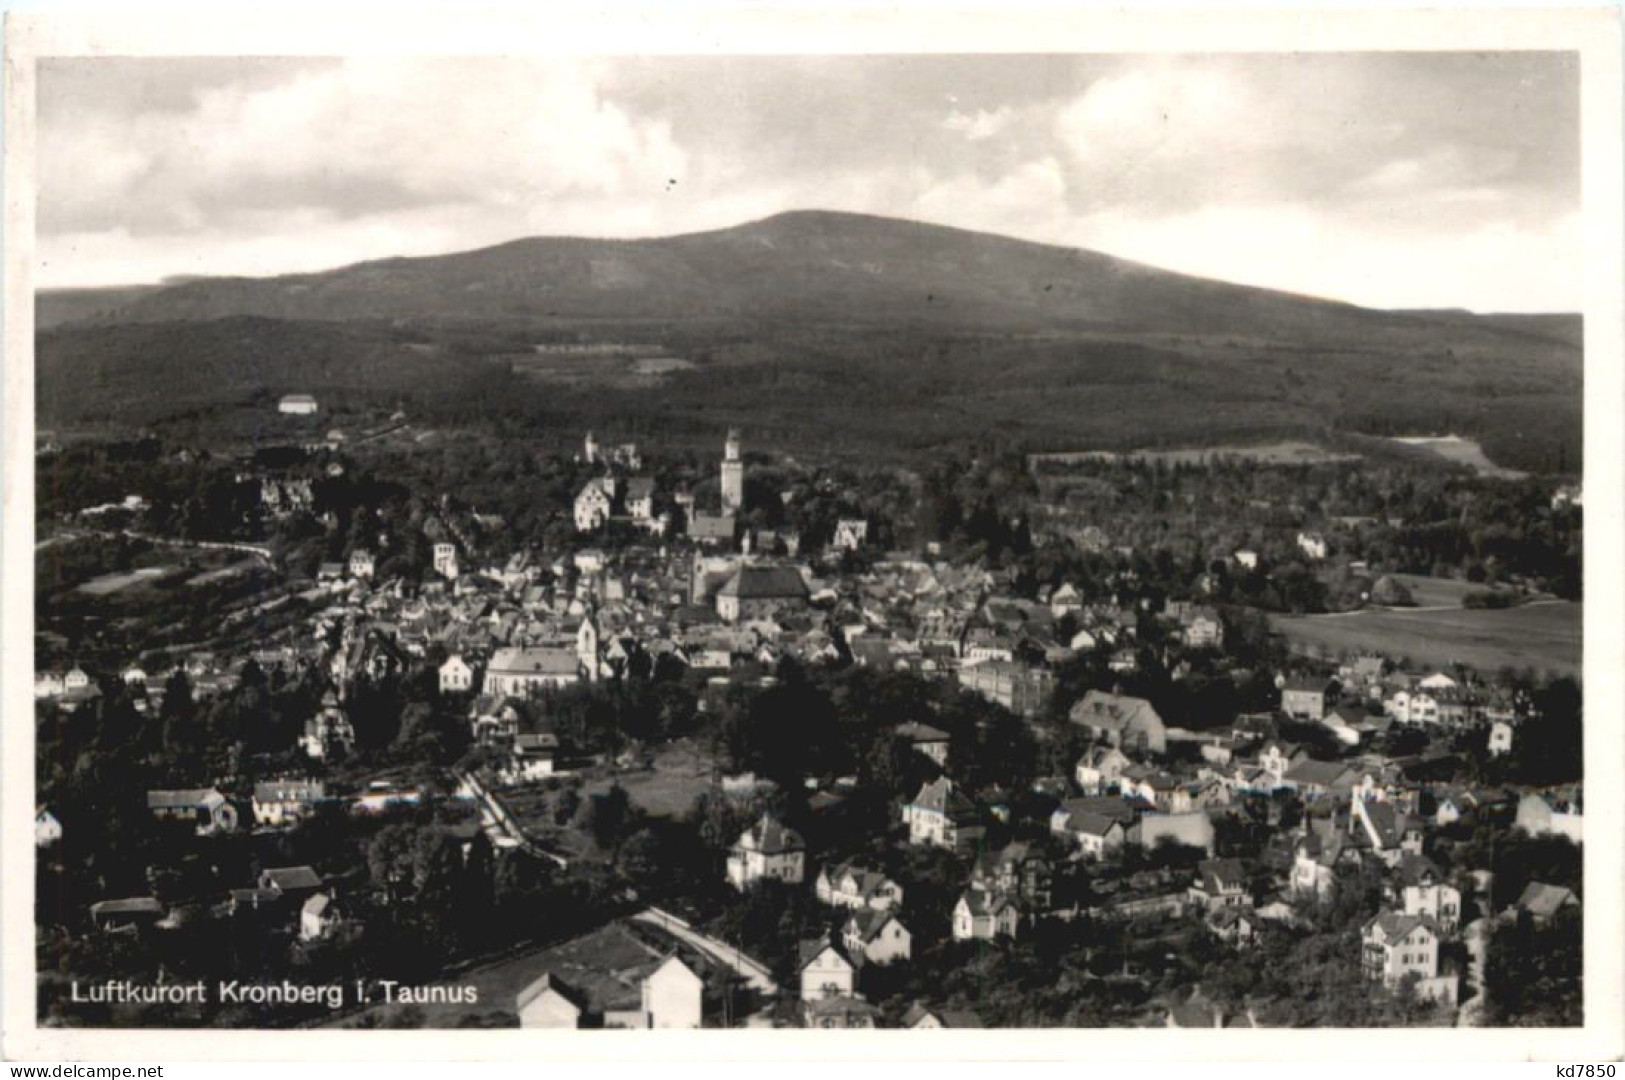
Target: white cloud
1320,176
1510,267
981,124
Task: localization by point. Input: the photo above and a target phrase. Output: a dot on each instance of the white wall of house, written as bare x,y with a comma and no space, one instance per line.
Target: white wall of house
550,1009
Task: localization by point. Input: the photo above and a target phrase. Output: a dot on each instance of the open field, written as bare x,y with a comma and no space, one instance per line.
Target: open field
1545,636
1286,452
112,583
1432,592
681,772
1461,451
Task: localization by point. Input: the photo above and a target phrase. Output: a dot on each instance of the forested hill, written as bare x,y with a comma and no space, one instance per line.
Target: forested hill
818,330
809,266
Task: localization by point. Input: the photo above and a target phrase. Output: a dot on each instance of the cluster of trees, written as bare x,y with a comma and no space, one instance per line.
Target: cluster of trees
1403,518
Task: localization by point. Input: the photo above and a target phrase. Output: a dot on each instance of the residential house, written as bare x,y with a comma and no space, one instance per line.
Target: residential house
126,916
850,533
328,734
767,851
297,883
1542,901
206,809
848,885
673,996
640,498
984,916
1316,862
1201,628
1100,769
1021,688
1220,883
285,802
1420,888
1551,814
711,530
1096,834
1316,779
616,977
456,676
875,937
1391,832
362,564
1395,946
550,1002
1413,706
593,505
840,1014
941,816
1305,699
825,971
318,917
927,740
1500,738
1129,723
920,1017
1019,871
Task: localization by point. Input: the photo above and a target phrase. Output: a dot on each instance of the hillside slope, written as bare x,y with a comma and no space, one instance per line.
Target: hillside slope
802,267
821,331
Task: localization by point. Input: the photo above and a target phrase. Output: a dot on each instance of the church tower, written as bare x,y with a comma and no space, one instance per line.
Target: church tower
591,449
733,474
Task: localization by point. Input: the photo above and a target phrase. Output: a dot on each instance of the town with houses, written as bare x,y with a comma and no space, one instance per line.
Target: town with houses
684,763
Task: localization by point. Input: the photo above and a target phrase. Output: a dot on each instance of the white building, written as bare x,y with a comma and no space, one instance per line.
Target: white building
514,672
876,937
297,405
851,533
456,677
1395,946
733,474
673,996
767,851
47,828
825,972
445,560
983,916
592,506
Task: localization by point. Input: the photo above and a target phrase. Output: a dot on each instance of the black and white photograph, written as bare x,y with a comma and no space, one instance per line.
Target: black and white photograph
841,541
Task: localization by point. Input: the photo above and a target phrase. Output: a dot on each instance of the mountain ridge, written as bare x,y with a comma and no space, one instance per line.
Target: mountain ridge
802,265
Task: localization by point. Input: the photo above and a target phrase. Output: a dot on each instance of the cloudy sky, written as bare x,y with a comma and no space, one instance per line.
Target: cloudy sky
1394,180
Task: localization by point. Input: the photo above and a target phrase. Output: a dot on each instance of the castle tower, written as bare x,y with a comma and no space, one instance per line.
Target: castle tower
733,473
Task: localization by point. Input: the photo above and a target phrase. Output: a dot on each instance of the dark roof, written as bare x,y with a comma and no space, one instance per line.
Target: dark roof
1543,900
181,799
810,951
550,981
289,791
139,905
1113,712
772,838
1220,874
292,877
712,526
765,583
